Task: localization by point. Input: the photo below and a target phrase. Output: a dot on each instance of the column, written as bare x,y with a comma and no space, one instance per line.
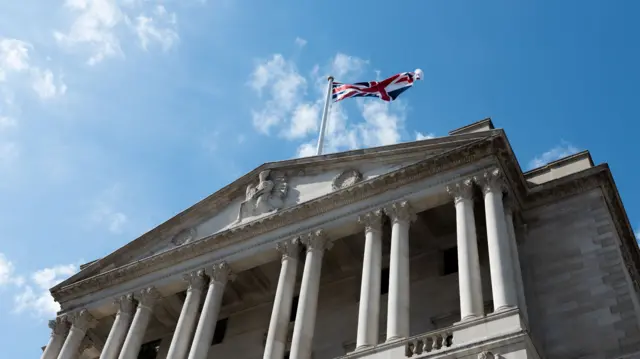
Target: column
59,328
119,328
279,324
469,280
369,310
220,274
401,215
80,322
500,264
513,245
147,298
302,341
187,322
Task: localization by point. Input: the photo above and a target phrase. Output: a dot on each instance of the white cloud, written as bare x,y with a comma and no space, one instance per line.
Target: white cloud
300,42
14,56
7,272
162,29
35,296
94,27
304,120
343,65
105,213
382,123
420,136
7,122
563,150
44,84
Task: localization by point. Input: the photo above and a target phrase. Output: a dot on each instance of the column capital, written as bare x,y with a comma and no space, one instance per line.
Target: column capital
316,241
371,221
195,279
82,320
221,272
288,249
59,326
400,211
491,181
148,297
125,303
461,191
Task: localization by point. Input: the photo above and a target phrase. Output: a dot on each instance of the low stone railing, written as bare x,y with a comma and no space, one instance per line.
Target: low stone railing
429,342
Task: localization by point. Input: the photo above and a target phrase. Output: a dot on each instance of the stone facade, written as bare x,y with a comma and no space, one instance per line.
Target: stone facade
439,248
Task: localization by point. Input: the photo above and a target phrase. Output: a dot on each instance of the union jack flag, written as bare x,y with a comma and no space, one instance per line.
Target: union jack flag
387,90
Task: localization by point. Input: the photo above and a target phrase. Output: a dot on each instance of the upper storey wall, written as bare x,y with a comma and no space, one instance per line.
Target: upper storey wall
580,298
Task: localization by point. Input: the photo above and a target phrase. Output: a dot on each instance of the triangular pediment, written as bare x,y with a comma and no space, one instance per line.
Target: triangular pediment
274,187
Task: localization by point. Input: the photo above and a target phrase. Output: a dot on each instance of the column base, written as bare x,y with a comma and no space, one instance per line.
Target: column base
393,339
363,347
469,318
504,308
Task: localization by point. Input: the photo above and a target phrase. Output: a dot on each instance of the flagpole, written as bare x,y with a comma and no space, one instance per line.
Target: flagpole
325,115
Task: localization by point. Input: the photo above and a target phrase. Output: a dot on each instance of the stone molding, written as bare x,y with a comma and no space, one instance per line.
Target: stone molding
82,320
371,221
221,273
491,181
461,191
126,304
288,249
316,241
148,297
400,212
195,280
59,326
494,145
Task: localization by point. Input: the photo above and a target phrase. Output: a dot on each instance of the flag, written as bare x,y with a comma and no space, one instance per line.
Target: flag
387,90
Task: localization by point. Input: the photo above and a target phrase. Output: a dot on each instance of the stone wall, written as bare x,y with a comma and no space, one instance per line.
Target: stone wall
581,302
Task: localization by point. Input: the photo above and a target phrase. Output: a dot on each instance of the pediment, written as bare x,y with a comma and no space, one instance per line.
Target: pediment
273,187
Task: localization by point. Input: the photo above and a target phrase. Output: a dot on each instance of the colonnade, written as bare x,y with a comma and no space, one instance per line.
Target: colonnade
194,333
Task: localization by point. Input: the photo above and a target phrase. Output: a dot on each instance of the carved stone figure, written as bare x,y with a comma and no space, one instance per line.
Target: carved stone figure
267,196
346,179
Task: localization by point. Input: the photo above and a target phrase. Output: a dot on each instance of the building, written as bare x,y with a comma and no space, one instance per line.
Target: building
441,248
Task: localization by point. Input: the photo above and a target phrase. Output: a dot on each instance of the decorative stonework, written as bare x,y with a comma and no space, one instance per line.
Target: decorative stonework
400,212
196,280
316,241
461,191
288,249
125,303
486,355
266,196
59,326
82,320
184,236
371,221
221,273
491,181
148,297
346,179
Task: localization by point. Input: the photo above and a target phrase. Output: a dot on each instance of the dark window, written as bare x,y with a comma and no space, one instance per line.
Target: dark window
384,281
294,309
450,259
221,330
286,355
149,350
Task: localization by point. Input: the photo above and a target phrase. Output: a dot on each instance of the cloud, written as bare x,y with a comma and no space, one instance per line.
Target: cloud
420,136
382,123
44,84
105,212
560,151
162,29
14,56
7,272
300,42
35,297
344,65
7,123
93,27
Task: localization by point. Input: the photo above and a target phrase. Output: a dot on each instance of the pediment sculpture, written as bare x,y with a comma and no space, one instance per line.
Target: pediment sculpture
266,196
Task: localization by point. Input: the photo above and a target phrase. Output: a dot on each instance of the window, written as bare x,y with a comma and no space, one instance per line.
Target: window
286,355
221,330
384,281
294,309
149,350
450,260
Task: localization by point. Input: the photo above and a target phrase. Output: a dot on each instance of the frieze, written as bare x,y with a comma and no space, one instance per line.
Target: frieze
492,146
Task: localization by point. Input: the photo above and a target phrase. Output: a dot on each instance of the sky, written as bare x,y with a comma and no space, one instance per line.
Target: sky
117,114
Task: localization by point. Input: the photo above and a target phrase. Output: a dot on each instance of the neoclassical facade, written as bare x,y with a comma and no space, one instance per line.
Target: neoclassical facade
441,248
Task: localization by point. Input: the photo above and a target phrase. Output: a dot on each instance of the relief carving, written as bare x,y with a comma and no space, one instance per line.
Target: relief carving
267,196
346,179
184,236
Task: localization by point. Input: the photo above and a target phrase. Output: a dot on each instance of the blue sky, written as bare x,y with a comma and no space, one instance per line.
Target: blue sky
117,114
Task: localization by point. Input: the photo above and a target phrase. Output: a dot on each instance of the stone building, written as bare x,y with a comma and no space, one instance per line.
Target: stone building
441,248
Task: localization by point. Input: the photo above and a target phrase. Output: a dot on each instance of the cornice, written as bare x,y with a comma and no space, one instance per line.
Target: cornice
446,161
495,145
